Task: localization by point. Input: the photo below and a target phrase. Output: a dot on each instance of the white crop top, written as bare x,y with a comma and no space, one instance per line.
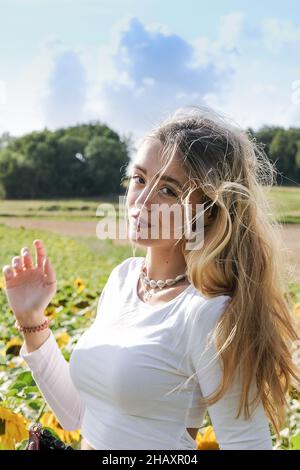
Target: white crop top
136,374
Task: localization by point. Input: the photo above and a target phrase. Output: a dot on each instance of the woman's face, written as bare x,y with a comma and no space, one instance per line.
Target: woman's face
156,218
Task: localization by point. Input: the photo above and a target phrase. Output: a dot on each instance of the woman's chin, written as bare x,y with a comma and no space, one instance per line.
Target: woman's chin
138,238
141,237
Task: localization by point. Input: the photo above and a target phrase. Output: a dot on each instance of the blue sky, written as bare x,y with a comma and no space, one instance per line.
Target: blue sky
129,63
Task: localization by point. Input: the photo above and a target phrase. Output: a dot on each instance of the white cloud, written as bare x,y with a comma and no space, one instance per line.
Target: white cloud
152,72
65,97
144,72
231,29
259,91
279,34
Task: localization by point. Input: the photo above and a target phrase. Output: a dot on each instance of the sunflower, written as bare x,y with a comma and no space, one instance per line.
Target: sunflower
12,428
207,441
79,284
50,312
13,346
48,419
63,339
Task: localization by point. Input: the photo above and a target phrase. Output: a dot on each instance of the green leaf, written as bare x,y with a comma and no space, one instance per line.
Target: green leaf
17,384
21,445
295,442
13,392
31,389
34,404
26,377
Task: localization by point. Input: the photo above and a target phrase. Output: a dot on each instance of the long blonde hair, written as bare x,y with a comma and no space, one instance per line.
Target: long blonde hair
241,256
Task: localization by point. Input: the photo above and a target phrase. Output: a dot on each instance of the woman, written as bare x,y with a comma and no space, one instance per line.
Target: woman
188,326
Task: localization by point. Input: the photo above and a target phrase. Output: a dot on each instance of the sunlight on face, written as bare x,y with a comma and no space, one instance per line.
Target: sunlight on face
155,212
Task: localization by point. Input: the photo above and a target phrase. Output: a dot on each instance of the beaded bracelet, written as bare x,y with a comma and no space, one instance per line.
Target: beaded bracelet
32,329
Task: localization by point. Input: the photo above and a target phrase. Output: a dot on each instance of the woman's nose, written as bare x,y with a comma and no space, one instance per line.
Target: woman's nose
145,198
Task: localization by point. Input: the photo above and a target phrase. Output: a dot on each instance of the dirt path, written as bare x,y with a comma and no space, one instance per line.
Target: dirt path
290,234
63,227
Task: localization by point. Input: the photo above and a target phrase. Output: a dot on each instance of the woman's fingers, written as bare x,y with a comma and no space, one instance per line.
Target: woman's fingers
8,272
49,272
17,264
44,262
26,258
40,253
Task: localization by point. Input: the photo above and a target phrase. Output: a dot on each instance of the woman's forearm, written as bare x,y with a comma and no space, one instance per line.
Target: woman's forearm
34,340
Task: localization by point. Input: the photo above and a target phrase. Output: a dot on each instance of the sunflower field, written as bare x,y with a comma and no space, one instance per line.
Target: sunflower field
82,267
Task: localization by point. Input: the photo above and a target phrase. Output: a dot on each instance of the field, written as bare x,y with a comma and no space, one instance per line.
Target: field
82,263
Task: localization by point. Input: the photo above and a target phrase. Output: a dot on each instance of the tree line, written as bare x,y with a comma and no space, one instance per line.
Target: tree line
86,160
90,160
282,146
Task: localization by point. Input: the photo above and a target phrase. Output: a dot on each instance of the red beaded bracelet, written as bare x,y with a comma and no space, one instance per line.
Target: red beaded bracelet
32,329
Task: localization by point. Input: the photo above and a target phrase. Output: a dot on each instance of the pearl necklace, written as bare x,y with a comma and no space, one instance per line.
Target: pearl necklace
154,284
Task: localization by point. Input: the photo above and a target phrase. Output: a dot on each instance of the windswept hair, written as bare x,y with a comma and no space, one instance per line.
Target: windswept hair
242,255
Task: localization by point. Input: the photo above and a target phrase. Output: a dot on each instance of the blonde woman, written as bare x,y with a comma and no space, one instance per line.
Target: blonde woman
187,328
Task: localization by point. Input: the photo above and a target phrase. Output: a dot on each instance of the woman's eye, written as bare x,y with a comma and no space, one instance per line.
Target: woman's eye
136,177
171,192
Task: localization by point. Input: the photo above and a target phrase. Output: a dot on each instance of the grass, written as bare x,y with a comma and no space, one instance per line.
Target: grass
89,258
286,204
73,209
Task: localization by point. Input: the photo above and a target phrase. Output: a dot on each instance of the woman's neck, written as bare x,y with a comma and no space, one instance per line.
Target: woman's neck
164,264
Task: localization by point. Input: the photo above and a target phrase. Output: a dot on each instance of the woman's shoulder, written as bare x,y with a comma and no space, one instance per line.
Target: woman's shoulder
207,310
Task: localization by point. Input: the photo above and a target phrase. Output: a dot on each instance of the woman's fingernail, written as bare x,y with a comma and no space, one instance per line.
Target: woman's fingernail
7,272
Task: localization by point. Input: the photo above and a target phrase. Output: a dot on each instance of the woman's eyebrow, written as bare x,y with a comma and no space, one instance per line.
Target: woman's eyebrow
163,177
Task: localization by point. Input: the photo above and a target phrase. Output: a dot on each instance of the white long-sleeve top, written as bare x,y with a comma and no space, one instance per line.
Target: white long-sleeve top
135,376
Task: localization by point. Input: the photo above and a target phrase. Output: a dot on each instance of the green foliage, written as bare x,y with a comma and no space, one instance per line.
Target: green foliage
79,161
282,146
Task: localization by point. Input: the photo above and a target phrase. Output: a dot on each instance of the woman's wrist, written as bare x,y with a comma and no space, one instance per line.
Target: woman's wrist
31,319
42,324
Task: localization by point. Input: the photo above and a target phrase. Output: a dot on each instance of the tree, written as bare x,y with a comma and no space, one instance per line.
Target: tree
107,160
84,160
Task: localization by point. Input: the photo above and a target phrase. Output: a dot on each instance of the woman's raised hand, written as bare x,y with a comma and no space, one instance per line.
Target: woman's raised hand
29,288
